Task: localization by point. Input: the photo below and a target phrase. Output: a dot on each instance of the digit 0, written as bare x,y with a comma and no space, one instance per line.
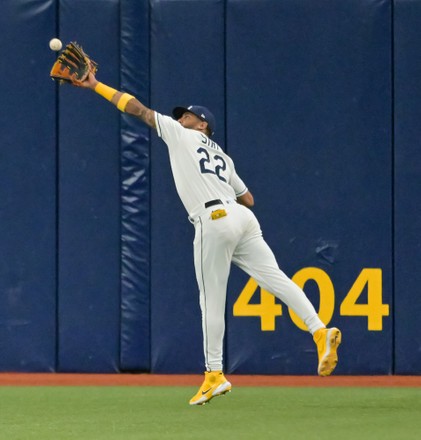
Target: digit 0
326,292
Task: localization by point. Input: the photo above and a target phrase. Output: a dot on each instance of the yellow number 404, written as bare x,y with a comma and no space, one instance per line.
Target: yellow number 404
268,310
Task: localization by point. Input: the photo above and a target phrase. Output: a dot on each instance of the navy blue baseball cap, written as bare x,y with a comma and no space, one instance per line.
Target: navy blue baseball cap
201,112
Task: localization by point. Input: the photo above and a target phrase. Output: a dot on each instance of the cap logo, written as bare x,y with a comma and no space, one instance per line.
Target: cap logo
203,116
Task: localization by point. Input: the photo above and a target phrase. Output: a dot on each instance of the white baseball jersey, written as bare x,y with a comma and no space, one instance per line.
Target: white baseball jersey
201,170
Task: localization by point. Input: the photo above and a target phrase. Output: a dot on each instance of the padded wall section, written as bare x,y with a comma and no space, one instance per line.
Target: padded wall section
305,89
89,188
407,16
27,188
308,117
187,67
135,195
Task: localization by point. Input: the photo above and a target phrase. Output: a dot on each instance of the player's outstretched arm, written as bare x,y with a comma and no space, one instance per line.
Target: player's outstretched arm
123,101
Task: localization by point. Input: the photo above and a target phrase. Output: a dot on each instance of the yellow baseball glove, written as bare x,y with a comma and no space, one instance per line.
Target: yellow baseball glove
73,65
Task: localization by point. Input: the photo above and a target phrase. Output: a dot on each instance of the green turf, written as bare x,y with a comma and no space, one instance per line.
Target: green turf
114,413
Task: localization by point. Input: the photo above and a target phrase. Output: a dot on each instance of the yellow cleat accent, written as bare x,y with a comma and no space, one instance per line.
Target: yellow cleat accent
327,341
215,384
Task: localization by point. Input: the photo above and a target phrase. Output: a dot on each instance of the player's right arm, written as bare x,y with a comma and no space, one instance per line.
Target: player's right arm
246,199
243,195
123,101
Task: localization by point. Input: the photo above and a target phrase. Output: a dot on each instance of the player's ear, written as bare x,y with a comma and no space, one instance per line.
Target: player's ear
208,130
203,125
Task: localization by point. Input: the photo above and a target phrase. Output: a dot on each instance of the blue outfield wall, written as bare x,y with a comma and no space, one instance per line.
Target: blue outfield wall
89,199
135,193
181,74
318,160
317,103
407,180
28,196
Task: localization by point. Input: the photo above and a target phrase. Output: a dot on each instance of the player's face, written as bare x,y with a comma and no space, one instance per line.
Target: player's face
189,120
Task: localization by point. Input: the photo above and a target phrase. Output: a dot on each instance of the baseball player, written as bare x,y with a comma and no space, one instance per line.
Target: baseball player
226,230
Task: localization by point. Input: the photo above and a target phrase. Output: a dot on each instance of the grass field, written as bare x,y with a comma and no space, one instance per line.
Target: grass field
117,413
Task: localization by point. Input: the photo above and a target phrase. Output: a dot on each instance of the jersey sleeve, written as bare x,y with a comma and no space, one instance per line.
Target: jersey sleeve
238,185
168,129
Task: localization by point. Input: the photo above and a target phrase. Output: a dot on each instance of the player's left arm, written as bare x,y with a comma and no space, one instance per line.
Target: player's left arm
123,101
136,108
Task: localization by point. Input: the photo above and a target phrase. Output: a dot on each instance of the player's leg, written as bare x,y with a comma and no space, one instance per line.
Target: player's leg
254,256
212,257
213,247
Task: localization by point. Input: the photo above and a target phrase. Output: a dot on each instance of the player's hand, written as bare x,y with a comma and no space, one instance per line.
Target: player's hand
89,83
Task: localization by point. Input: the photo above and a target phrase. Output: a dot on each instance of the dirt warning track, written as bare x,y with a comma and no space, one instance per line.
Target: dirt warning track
66,379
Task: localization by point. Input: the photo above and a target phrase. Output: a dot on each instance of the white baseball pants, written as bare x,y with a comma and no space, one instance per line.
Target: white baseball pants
237,238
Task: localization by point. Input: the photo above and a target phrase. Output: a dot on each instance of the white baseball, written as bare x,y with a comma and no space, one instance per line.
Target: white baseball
55,44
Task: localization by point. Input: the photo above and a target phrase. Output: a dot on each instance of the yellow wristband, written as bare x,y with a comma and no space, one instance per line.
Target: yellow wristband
122,102
105,91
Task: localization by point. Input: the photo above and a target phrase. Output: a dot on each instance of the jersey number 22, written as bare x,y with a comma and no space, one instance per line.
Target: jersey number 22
206,165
